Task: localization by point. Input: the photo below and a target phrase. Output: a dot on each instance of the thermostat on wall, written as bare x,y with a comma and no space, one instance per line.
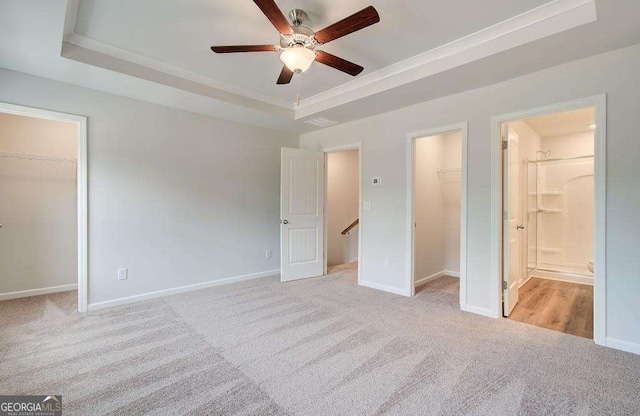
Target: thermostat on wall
376,181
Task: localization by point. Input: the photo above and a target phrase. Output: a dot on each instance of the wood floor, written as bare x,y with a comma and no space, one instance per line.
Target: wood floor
562,306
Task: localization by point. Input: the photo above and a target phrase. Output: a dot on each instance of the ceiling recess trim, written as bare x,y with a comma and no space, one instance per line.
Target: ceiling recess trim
549,19
546,20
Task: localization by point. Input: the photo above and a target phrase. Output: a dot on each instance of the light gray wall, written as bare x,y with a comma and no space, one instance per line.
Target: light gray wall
342,206
175,197
384,151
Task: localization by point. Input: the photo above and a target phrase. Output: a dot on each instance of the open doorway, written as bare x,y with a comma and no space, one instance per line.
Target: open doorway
342,211
438,212
43,214
552,182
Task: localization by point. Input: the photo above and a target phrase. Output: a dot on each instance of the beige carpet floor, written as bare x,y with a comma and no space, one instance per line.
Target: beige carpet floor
322,346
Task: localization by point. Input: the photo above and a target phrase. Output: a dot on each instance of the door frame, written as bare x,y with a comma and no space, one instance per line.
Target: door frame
599,103
410,238
81,174
352,146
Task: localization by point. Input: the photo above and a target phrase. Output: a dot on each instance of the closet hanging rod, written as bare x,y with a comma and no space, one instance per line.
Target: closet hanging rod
443,170
35,157
561,158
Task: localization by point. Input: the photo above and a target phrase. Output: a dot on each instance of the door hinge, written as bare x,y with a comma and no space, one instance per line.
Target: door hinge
505,285
505,145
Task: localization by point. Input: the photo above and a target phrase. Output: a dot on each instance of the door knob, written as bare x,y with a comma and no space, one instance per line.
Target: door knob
520,227
285,222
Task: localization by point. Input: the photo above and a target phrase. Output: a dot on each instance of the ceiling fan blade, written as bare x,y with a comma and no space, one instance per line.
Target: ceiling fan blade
338,63
244,48
365,17
275,16
285,76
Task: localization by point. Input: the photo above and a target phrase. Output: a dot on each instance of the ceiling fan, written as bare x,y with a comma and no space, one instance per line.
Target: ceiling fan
298,43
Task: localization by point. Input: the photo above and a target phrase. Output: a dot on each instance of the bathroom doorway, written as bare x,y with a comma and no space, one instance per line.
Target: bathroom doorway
549,207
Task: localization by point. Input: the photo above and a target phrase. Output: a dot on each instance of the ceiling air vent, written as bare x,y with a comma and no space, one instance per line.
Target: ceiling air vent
321,122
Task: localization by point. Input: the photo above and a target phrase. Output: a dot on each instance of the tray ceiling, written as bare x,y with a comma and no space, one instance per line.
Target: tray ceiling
179,34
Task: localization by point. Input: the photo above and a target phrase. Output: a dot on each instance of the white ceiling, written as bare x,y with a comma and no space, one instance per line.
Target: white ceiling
32,32
558,124
180,33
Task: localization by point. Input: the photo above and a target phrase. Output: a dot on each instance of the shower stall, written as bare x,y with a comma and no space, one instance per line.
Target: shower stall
560,218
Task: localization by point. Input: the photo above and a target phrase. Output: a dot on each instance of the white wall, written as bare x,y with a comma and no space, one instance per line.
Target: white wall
567,237
38,241
176,197
384,154
451,189
437,205
342,206
429,207
569,145
36,136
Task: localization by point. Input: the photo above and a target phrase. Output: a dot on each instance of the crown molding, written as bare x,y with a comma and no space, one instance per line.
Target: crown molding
143,61
549,19
543,21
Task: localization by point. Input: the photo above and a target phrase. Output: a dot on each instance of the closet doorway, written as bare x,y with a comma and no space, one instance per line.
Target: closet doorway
43,237
437,203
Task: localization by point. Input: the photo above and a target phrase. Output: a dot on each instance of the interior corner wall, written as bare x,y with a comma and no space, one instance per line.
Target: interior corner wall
343,188
177,198
384,153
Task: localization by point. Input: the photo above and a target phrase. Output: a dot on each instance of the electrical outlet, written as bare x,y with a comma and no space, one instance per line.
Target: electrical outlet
387,265
123,274
268,254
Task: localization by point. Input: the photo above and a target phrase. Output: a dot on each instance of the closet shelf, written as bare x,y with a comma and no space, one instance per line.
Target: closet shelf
547,193
547,211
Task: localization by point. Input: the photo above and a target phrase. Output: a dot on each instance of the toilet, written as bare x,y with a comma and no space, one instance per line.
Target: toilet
590,266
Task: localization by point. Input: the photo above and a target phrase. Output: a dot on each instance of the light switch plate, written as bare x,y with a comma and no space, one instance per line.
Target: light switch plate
122,274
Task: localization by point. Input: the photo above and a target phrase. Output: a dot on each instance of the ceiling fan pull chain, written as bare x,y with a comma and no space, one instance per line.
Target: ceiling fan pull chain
298,91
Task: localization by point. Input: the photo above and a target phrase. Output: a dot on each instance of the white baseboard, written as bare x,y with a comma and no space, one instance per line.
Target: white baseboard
434,276
619,344
384,288
181,289
36,292
429,278
477,310
564,277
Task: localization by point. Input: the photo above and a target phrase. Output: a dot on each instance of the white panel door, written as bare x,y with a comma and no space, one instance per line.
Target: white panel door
301,214
512,226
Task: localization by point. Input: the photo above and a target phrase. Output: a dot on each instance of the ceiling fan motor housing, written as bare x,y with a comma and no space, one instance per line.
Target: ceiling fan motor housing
302,36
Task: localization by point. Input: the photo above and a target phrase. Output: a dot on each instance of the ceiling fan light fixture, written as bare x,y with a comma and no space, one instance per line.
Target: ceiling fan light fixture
298,58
